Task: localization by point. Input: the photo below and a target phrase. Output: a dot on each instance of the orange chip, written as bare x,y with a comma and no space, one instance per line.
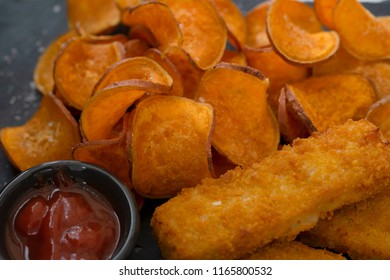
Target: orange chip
255,19
43,73
156,55
49,135
158,19
170,145
124,4
324,11
341,62
245,127
93,16
379,74
141,68
109,153
143,33
325,101
379,113
80,65
276,69
220,163
234,20
105,108
236,57
136,47
361,33
104,39
204,31
190,73
296,34
290,124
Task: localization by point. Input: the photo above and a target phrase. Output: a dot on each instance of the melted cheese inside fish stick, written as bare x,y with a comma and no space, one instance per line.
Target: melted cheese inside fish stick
282,195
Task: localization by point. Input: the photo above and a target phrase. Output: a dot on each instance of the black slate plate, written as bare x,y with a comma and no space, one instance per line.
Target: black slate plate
26,28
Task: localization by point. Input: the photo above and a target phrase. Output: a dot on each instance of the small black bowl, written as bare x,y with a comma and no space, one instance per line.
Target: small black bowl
102,181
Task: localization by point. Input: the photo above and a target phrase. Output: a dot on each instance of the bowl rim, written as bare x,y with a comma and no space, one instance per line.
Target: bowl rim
134,225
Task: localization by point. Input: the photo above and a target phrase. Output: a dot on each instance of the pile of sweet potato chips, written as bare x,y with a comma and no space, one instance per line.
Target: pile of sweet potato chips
166,93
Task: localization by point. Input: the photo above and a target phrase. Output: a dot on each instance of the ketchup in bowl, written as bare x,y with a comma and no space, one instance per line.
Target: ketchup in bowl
62,219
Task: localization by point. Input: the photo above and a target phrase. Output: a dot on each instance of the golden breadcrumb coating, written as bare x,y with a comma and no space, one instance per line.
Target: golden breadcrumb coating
292,250
361,230
282,195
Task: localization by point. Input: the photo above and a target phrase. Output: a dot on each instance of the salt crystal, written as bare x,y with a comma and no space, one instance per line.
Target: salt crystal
12,101
57,9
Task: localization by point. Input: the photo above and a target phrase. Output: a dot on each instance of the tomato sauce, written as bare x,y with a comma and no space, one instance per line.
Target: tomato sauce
62,219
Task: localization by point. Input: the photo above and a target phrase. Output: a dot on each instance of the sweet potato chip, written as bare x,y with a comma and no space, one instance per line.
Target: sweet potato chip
235,22
379,74
141,68
135,47
297,35
255,19
204,31
220,163
291,124
276,69
325,101
177,85
170,145
324,11
109,153
124,4
158,19
361,33
43,73
236,57
105,108
246,130
190,73
93,16
379,114
341,62
143,33
49,135
79,67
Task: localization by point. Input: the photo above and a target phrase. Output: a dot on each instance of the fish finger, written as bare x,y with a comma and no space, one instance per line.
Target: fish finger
278,197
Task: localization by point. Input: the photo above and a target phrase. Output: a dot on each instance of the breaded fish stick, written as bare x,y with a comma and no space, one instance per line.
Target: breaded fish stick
292,250
361,230
282,195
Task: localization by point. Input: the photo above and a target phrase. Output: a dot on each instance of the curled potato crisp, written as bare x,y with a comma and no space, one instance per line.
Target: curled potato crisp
297,35
236,57
43,73
190,73
49,135
324,11
79,67
163,60
170,145
158,19
204,31
362,34
141,68
245,127
93,16
276,69
135,47
235,22
325,101
379,114
105,108
255,20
